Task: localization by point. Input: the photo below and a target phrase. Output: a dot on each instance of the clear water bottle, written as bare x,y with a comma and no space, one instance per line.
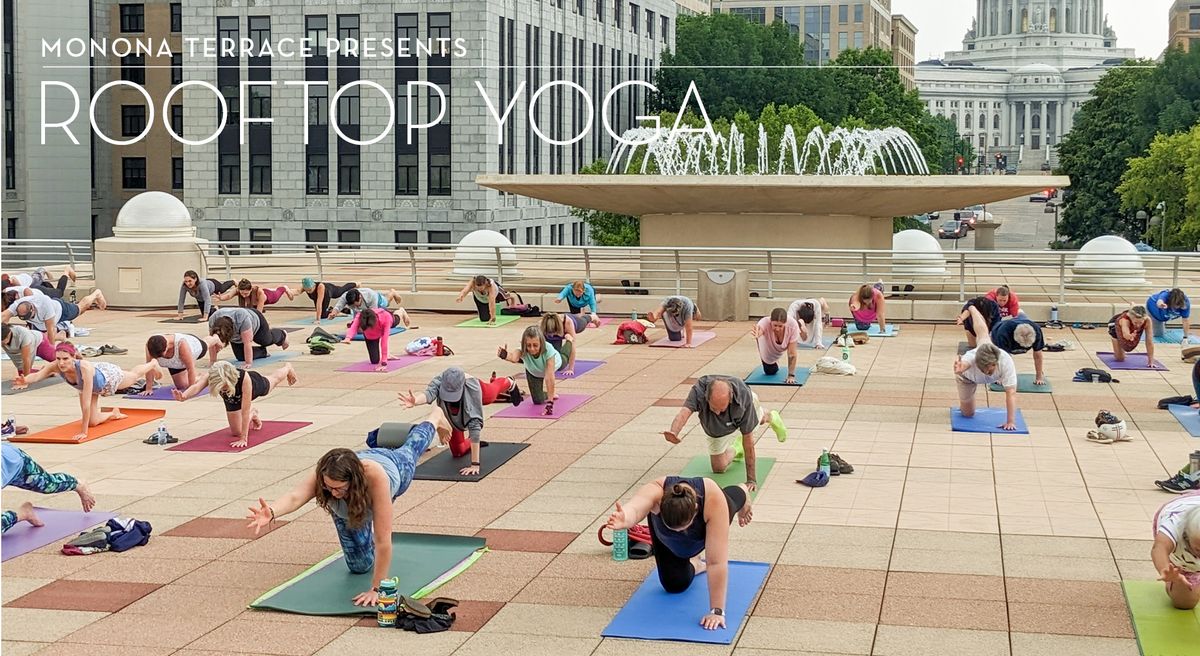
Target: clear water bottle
845,337
160,435
1054,313
633,315
1194,465
620,546
824,461
388,605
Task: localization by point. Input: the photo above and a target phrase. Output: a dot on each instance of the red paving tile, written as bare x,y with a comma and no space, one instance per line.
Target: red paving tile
98,596
530,541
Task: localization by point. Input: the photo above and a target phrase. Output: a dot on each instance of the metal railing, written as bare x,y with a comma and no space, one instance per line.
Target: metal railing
27,253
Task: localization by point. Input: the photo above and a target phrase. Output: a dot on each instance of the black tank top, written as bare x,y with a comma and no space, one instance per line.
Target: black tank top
690,541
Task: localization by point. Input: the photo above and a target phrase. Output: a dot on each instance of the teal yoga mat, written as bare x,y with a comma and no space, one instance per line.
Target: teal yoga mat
500,321
423,562
873,331
757,377
274,358
1162,629
1025,385
735,474
396,330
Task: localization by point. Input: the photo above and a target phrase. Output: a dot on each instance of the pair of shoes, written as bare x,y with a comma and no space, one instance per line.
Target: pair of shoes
1098,438
514,393
1178,484
837,466
775,421
90,352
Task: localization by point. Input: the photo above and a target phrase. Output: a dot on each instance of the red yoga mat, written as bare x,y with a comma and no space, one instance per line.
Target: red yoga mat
218,442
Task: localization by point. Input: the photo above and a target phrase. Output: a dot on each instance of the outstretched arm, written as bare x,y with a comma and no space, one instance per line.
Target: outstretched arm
263,514
677,425
637,508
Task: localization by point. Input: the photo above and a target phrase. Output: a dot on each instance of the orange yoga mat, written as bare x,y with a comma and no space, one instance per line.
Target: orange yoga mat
65,434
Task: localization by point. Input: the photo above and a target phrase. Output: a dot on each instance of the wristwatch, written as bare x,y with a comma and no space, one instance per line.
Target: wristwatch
719,612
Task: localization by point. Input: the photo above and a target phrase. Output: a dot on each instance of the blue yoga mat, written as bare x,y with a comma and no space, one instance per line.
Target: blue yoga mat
396,330
757,377
274,358
873,331
308,321
652,614
986,420
1173,336
1188,417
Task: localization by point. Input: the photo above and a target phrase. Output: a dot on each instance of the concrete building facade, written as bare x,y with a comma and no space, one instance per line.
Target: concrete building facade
824,27
904,49
1184,21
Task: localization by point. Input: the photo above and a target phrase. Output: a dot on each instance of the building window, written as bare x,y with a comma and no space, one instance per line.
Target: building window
858,40
528,235
635,14
260,174
261,235
349,237
176,17
133,172
11,229
649,25
177,68
133,120
177,119
757,15
348,178
260,101
437,237
316,236
1194,22
843,41
230,235
230,174
843,13
405,236
318,174
133,68
406,174
600,10
619,13
858,13
133,18
439,175
665,25
177,173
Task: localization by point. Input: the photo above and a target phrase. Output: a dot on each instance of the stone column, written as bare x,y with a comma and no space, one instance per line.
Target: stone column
1027,128
1062,16
1045,125
1060,121
1012,123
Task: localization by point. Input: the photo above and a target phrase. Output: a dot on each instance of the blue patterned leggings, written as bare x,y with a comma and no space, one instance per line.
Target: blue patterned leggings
358,543
34,478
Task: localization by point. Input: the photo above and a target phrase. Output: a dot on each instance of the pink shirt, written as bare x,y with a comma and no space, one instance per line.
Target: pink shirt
868,314
1009,309
380,331
771,350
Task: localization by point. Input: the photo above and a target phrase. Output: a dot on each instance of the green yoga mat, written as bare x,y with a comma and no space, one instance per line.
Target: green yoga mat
422,562
734,475
1162,630
500,321
1025,385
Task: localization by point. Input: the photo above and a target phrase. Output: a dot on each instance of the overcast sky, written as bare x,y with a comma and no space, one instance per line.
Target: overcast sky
1140,24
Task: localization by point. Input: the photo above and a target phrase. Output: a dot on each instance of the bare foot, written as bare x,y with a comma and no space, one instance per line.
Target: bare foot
284,345
290,294
100,300
86,498
255,422
25,514
699,565
70,273
746,513
291,375
117,414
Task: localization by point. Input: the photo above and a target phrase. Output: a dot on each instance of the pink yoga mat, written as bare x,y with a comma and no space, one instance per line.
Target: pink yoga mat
698,338
218,442
392,365
581,368
162,393
1133,361
24,537
527,410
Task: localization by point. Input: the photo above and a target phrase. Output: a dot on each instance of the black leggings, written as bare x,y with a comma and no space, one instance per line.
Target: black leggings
485,310
332,293
218,288
54,291
770,369
266,336
372,349
676,573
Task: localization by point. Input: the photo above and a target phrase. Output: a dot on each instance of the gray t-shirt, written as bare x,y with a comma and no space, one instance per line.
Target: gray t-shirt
21,337
741,415
46,309
202,292
466,415
370,300
676,323
242,318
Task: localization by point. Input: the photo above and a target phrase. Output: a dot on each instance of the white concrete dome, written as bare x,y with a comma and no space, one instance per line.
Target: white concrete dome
1037,73
916,252
476,255
1108,262
154,209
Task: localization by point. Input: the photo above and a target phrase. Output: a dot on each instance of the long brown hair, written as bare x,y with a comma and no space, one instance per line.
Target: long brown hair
552,324
679,506
223,329
343,466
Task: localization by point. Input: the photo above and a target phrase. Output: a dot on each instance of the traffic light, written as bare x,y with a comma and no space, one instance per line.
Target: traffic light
960,161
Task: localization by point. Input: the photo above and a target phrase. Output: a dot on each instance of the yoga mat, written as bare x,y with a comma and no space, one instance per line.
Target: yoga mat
396,330
23,537
444,467
1188,417
218,441
986,420
735,474
1173,336
500,321
65,434
1162,629
527,410
1024,385
873,331
196,319
162,393
343,320
393,364
6,388
419,560
698,338
274,358
653,614
581,368
757,377
825,344
1133,361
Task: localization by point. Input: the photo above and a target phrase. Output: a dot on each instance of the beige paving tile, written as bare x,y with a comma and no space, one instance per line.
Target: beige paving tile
822,637
508,644
253,634
551,620
132,630
1036,644
371,641
39,625
917,641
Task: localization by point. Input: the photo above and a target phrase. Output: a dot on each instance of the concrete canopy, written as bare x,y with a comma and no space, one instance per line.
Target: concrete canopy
815,195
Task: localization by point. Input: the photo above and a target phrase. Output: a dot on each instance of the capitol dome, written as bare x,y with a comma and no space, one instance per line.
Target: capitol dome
1108,262
1037,74
916,252
476,255
153,213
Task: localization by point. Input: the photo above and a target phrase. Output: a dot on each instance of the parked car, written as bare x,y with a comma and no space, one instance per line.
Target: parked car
1040,197
1045,166
952,230
1012,170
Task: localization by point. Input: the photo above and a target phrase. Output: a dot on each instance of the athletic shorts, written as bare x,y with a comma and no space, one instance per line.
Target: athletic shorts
719,445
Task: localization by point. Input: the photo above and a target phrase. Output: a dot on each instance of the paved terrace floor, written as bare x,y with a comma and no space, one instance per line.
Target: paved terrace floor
939,543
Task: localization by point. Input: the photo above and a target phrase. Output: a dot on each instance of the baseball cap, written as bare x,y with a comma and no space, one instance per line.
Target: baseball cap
450,388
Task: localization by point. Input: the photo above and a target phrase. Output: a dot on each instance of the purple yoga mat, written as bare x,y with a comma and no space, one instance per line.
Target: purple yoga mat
581,368
23,537
162,393
527,410
218,442
698,338
392,365
1133,361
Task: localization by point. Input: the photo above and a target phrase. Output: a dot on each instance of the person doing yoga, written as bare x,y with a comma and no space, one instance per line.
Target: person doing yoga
364,298
323,293
247,328
776,335
1166,305
868,306
1010,305
486,292
542,361
986,308
376,327
984,365
560,330
461,399
677,314
1018,335
237,389
250,295
1127,329
44,313
689,516
726,407
357,490
203,291
581,298
1176,550
21,344
38,281
178,354
20,471
811,316
93,379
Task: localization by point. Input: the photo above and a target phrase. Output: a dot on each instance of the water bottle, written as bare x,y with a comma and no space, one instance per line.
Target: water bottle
1194,466
439,349
633,316
620,546
160,435
1054,313
824,461
386,607
845,344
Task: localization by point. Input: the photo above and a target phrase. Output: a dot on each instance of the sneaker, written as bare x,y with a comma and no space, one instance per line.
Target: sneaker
1178,484
8,429
1099,438
837,464
739,450
775,421
109,349
514,394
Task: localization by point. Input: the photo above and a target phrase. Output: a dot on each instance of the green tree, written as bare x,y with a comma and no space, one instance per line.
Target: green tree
1168,174
607,228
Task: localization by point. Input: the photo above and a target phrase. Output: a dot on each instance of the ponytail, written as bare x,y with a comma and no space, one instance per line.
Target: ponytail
679,506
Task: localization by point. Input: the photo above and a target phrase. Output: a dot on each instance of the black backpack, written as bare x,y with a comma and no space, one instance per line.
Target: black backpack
1090,375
